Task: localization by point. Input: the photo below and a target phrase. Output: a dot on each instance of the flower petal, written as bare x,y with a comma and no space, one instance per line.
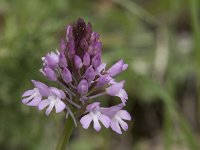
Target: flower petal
27,93
114,89
115,127
96,124
59,93
49,109
43,88
105,120
124,125
35,101
124,115
86,120
43,104
26,100
60,106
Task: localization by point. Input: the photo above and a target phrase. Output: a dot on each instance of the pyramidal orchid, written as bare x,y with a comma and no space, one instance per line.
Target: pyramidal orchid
77,66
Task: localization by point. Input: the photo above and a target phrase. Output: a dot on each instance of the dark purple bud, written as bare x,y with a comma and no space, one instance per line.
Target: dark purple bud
84,44
90,74
71,48
117,68
66,75
62,45
62,59
94,48
103,80
49,73
97,48
86,59
51,60
88,30
83,87
79,30
94,37
78,62
96,61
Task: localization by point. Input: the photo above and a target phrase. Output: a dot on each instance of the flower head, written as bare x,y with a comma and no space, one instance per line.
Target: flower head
33,97
95,115
78,67
117,90
117,117
54,99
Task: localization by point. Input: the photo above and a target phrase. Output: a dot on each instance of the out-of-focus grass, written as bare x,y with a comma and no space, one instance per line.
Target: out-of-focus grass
194,10
153,37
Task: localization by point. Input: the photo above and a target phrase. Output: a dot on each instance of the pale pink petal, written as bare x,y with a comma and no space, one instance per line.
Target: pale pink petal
123,92
35,101
60,106
101,68
124,115
125,66
124,125
28,93
105,120
96,124
114,89
86,120
49,109
43,104
115,127
26,100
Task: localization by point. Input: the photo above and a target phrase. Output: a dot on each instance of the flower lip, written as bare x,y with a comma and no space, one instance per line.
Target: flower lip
96,116
32,97
117,121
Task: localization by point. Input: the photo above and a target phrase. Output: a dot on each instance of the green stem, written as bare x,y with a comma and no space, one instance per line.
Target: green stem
64,139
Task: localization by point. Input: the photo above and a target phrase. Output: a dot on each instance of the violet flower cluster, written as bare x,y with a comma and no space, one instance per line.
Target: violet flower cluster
79,69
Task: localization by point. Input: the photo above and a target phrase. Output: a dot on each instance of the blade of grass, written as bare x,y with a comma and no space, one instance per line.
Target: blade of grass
194,12
138,11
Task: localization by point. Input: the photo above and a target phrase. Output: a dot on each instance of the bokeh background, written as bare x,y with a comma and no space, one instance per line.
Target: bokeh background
159,39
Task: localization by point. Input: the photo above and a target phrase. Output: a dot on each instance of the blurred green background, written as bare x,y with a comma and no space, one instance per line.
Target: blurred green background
159,39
